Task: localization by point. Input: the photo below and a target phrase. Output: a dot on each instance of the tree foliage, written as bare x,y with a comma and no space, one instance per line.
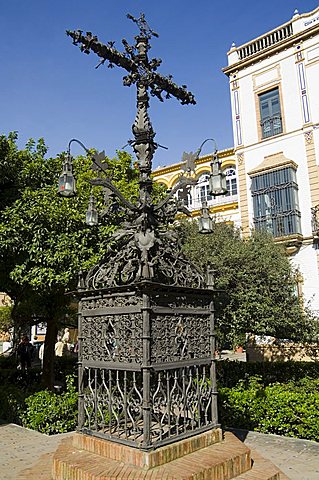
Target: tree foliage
44,241
256,279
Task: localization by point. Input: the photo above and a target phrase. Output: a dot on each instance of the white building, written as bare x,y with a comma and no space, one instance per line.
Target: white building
223,208
274,86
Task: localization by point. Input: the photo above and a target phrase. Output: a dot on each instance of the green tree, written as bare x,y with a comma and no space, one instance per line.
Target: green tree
44,241
256,279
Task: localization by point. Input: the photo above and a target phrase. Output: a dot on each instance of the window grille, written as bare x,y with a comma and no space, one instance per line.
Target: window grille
270,113
275,202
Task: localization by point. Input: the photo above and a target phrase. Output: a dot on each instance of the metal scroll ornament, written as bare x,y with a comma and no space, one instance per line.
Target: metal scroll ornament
144,249
146,321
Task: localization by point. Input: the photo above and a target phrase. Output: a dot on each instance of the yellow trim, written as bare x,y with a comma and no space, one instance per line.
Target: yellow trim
313,173
217,209
227,152
173,180
202,169
273,162
228,163
162,180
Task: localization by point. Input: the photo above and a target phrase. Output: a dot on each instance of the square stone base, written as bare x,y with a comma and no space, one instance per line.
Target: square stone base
207,456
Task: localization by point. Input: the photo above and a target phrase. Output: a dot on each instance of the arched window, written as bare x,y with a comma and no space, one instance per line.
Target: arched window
185,195
202,188
231,181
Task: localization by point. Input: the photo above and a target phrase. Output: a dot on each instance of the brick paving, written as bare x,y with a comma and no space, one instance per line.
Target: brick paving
24,452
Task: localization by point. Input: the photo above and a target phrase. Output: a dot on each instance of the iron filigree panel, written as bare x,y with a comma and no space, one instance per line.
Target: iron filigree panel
181,301
113,403
109,338
181,403
179,337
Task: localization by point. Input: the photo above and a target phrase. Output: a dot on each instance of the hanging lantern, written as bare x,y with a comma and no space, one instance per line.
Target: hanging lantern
66,187
91,217
205,224
217,178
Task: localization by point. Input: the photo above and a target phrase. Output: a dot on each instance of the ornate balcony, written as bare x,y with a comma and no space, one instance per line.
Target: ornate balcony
271,126
265,41
315,220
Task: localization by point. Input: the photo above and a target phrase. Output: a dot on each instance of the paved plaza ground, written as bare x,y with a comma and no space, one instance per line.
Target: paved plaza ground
26,455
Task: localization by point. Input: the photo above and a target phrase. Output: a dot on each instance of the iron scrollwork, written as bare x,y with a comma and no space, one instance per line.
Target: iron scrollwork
150,311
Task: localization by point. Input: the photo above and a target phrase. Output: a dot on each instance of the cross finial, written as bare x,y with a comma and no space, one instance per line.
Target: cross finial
142,24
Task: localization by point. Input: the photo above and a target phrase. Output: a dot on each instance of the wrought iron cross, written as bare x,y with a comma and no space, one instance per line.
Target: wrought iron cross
142,72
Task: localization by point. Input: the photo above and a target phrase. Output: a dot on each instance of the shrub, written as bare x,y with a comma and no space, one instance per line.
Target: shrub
52,413
290,409
229,372
11,403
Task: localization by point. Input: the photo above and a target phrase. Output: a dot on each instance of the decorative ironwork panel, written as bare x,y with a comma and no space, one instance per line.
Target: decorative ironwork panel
181,404
109,338
181,301
145,364
113,404
179,337
110,301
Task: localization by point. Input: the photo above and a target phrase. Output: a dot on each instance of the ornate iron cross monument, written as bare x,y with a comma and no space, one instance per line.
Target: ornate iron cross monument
146,317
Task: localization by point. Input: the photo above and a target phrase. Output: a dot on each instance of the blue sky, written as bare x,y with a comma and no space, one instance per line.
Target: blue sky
50,89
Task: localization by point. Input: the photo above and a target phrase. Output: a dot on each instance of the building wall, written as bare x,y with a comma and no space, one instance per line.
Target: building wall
286,58
222,208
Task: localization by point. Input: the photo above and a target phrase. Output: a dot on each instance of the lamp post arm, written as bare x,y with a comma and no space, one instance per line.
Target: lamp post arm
105,182
200,148
80,143
96,161
183,181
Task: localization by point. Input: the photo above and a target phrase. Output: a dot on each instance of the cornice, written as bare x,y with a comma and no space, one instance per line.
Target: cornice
214,209
273,162
284,44
227,152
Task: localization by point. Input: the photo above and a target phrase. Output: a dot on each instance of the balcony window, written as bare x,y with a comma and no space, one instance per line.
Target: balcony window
270,113
275,201
202,189
231,182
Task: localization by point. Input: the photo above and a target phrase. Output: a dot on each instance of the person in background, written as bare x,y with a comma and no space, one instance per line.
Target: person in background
6,346
25,353
66,336
60,348
41,354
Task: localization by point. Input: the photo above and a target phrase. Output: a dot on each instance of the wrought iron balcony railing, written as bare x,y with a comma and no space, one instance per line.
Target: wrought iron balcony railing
315,220
271,126
196,204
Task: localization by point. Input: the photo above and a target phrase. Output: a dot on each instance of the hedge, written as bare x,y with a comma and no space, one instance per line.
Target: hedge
290,409
229,373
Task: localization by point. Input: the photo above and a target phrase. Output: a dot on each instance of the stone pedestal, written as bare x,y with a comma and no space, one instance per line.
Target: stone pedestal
205,456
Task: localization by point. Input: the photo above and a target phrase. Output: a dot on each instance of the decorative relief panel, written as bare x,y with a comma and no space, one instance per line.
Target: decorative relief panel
108,338
179,337
180,301
111,301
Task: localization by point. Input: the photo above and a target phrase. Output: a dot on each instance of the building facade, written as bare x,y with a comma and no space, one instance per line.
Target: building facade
223,208
274,87
273,169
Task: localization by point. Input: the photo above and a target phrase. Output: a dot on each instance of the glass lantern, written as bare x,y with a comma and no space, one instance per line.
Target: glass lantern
66,186
217,178
205,224
91,217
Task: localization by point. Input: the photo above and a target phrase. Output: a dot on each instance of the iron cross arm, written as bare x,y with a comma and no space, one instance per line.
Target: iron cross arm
158,83
105,52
